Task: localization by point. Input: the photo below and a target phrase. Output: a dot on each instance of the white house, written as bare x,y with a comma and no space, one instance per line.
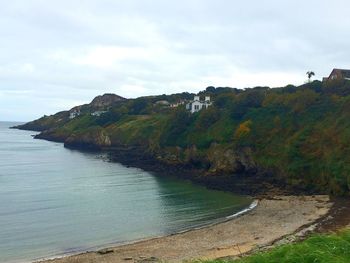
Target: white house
197,104
177,104
97,113
73,114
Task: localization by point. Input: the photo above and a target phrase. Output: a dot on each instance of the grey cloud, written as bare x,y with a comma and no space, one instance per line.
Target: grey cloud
59,53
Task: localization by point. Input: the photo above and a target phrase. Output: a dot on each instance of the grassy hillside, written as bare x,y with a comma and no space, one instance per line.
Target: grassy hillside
301,134
320,248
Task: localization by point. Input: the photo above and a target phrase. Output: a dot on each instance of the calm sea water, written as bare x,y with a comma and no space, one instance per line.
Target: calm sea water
55,201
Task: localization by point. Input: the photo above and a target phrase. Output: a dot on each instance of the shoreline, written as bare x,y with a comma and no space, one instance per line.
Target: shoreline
102,248
268,222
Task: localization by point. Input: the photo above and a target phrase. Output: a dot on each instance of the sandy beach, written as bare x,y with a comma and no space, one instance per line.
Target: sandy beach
271,220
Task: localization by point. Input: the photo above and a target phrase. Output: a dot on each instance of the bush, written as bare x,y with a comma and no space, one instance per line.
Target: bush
207,117
138,106
177,124
243,129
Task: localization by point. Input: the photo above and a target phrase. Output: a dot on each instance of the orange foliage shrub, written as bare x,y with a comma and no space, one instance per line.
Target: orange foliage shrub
243,129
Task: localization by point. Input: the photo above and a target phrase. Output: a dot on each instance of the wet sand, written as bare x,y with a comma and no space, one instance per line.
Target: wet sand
271,220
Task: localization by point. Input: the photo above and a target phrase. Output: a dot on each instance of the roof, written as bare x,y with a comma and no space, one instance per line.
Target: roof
344,72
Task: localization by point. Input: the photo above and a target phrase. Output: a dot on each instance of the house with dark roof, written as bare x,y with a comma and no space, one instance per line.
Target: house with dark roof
338,74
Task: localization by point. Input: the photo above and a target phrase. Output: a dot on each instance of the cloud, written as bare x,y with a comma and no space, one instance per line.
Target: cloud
59,53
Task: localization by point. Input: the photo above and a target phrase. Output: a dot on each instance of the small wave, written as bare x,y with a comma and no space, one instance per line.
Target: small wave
249,208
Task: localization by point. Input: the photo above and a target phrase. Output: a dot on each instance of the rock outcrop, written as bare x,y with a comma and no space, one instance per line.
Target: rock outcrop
231,160
93,139
105,100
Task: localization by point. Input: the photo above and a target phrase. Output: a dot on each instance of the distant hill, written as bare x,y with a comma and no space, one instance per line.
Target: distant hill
105,100
102,102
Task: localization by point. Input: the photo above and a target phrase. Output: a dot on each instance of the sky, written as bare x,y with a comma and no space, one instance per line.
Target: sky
58,54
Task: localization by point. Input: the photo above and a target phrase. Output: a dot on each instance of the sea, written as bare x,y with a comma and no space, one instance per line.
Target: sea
56,201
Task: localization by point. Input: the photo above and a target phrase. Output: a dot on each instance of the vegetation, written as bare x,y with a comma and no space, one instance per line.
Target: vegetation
310,74
299,133
319,248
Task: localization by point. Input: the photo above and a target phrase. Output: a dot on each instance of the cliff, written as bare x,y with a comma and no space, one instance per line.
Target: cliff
106,100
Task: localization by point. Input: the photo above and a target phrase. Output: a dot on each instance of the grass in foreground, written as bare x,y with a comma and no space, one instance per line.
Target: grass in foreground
334,248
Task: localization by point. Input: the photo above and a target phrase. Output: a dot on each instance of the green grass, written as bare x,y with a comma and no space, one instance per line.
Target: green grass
139,129
333,248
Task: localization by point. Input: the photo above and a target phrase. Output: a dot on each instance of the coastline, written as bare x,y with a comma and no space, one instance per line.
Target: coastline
146,250
271,220
105,248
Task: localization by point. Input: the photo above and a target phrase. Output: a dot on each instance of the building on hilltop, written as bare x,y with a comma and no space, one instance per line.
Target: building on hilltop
197,104
177,104
74,113
338,74
98,113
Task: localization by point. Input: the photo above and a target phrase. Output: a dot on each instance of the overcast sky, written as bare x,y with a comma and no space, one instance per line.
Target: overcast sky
58,54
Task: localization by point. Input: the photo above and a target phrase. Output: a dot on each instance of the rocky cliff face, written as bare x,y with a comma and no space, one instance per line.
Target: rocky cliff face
105,100
222,169
226,160
94,139
216,160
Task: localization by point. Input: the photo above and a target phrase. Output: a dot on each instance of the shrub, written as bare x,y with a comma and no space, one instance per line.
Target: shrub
207,117
243,129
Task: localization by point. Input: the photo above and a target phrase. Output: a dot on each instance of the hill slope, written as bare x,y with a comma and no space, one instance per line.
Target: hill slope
298,135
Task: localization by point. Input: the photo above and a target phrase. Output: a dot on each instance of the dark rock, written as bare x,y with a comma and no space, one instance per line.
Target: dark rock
105,251
254,182
148,260
94,139
105,100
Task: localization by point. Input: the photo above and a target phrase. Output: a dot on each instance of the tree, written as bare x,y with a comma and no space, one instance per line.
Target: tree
210,89
207,118
310,74
177,124
138,105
